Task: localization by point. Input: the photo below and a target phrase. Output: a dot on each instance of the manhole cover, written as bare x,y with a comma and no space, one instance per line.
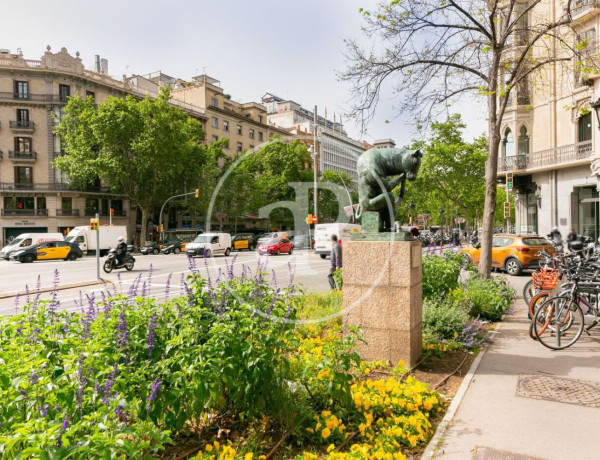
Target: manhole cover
559,389
489,453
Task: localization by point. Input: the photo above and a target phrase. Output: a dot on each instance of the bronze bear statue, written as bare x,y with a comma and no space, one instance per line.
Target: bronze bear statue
375,191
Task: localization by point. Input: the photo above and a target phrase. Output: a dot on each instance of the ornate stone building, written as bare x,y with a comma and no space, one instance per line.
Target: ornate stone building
549,136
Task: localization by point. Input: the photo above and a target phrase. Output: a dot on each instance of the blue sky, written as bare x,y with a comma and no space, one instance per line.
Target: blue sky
289,48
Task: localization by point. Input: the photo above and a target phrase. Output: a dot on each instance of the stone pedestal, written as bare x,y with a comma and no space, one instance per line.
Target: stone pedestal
383,296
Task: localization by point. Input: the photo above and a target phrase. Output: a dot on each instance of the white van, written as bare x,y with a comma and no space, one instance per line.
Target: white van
25,240
86,238
323,234
212,243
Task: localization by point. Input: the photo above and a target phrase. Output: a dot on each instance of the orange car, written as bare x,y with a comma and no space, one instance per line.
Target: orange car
512,253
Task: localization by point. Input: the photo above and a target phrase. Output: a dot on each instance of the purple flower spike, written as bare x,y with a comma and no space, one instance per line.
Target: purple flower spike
63,428
156,384
167,286
28,294
151,335
17,303
110,382
34,378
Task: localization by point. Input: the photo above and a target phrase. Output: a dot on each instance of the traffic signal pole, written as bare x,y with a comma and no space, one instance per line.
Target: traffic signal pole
98,246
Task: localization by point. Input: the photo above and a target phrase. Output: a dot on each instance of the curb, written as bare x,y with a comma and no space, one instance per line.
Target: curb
431,450
6,295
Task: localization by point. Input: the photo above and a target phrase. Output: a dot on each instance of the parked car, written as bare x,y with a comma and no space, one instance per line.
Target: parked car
267,236
276,246
173,246
512,253
50,250
244,241
301,242
151,248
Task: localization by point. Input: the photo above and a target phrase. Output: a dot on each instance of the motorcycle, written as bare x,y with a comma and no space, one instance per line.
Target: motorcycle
112,263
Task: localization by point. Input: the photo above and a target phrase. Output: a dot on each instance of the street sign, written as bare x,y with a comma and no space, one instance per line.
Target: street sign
314,219
460,220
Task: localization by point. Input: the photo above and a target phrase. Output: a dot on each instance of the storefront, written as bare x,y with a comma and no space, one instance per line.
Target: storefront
588,212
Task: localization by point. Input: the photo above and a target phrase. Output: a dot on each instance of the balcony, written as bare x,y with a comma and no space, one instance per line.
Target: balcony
25,156
90,212
582,10
55,187
22,126
565,155
38,98
67,213
24,212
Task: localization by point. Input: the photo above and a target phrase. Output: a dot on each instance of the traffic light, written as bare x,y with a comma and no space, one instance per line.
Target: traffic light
162,228
509,180
94,224
309,219
197,193
112,212
506,210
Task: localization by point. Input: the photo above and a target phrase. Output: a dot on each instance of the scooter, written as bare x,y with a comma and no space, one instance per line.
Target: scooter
112,263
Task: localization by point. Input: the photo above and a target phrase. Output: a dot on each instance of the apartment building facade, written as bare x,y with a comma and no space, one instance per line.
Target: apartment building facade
35,196
335,150
550,136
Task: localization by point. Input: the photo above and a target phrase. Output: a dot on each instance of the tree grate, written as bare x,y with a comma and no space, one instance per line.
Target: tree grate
559,389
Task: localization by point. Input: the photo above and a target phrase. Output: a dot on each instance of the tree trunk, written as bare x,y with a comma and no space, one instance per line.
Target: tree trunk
144,230
491,174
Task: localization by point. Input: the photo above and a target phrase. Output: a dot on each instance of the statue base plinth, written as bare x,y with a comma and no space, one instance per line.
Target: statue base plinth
382,294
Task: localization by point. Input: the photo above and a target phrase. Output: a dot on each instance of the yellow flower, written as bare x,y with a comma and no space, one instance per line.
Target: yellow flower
331,447
208,448
367,371
325,433
217,445
400,363
456,335
249,456
310,430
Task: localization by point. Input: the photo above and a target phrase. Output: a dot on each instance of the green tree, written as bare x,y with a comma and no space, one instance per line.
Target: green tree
147,150
328,203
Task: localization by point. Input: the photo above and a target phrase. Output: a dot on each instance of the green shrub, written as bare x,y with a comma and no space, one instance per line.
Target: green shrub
440,274
443,319
485,298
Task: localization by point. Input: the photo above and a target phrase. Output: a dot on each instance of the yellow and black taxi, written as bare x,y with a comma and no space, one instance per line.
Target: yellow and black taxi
50,250
244,241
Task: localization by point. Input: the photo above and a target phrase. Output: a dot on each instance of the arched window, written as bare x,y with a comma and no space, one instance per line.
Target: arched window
523,141
509,143
584,125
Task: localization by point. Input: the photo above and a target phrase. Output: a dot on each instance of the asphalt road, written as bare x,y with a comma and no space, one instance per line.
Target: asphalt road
309,270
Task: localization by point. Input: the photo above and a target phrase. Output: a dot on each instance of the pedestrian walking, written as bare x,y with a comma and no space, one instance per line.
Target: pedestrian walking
336,260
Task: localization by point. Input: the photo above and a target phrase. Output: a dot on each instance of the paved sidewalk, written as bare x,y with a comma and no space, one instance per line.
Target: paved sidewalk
501,415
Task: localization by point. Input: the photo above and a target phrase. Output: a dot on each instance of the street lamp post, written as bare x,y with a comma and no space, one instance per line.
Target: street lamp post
442,226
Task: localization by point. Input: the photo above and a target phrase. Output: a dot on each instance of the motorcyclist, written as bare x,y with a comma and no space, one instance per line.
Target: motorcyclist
121,250
555,236
474,238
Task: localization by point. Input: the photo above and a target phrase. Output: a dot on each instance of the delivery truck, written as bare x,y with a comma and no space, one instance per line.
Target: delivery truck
26,240
323,234
86,238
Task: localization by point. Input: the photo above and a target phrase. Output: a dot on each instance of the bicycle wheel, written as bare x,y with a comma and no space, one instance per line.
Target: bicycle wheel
558,323
535,303
529,291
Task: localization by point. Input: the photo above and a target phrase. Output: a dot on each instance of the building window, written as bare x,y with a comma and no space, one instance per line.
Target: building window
585,47
523,148
215,138
225,125
23,144
260,118
24,175
260,136
22,115
239,147
226,145
584,128
239,129
41,202
214,102
251,134
509,143
66,203
214,122
90,94
64,92
523,97
91,205
21,90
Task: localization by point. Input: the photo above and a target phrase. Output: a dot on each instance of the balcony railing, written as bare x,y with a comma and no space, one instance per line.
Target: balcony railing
550,157
16,155
24,212
579,7
67,212
56,187
28,97
20,125
104,212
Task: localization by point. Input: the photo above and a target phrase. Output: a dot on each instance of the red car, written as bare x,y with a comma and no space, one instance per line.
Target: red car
276,246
